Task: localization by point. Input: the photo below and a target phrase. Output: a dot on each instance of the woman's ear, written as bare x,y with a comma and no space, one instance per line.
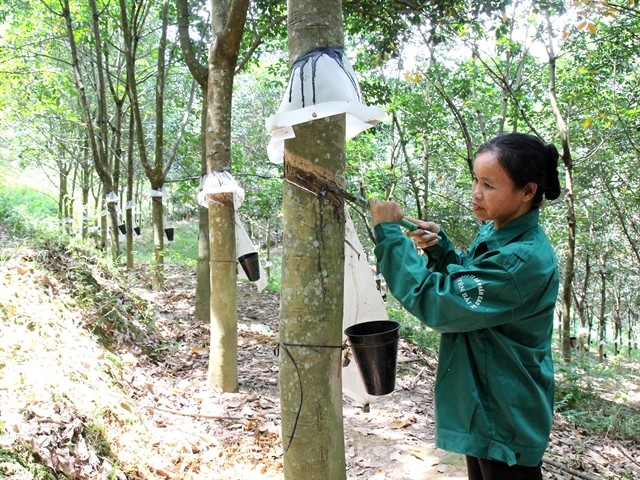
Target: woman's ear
530,190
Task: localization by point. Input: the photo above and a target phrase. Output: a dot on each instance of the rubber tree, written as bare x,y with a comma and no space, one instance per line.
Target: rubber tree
258,30
567,159
155,161
313,272
96,123
200,73
227,23
155,170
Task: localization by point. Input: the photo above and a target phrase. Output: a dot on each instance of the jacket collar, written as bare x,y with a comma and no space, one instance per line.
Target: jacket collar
495,239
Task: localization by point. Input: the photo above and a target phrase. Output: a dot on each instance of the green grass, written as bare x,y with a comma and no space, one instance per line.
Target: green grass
274,268
411,328
595,396
21,463
27,212
183,250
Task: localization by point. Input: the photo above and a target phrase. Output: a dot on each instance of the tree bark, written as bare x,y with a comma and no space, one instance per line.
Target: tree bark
313,273
602,318
203,278
96,129
563,133
227,23
200,73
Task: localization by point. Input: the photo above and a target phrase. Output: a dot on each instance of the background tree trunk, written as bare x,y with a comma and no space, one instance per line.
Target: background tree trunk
130,220
563,133
227,21
97,133
201,74
203,278
313,275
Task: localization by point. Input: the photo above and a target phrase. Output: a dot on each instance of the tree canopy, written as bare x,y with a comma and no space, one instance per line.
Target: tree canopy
81,87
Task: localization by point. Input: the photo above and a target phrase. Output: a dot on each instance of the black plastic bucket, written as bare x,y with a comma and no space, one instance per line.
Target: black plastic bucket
375,349
137,230
123,228
169,232
251,265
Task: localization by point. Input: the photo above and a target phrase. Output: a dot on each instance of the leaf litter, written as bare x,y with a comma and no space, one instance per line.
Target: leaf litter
140,407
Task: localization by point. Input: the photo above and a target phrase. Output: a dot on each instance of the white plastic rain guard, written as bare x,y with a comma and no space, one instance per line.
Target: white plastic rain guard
222,181
161,192
112,197
322,83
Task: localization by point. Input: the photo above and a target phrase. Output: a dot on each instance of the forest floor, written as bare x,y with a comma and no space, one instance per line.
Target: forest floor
141,408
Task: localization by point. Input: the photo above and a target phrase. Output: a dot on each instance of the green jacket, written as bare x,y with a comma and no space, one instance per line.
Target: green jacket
494,308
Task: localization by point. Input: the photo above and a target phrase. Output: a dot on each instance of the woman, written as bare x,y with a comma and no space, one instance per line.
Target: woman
493,306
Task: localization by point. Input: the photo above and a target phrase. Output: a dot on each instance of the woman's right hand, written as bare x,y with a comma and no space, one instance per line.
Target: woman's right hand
426,235
382,212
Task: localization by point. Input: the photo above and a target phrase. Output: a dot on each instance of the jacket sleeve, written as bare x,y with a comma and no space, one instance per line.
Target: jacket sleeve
443,254
464,298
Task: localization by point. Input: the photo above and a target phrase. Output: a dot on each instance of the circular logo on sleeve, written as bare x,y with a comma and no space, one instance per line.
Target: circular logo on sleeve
471,289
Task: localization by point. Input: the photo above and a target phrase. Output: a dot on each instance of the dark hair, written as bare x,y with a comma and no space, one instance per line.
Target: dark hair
526,159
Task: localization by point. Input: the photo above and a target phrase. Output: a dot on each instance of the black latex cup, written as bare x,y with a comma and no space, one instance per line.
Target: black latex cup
374,346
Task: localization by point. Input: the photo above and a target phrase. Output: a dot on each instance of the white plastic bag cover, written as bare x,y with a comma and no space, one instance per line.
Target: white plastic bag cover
161,192
244,245
112,197
220,181
362,303
322,83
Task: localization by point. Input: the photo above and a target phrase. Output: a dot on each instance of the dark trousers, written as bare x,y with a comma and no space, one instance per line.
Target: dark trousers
482,469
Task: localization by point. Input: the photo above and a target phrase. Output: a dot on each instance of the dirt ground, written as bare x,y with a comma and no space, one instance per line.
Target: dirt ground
78,404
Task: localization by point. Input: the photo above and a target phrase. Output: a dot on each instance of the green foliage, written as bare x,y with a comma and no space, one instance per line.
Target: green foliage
183,250
411,328
95,436
584,396
267,23
27,212
21,463
275,270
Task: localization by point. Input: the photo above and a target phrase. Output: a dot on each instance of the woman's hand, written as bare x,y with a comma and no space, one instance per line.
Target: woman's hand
426,235
382,212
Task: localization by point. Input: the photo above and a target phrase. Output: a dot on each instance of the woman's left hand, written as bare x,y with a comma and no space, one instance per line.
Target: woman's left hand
426,235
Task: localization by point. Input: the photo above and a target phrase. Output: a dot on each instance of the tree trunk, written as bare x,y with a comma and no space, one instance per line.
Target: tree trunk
201,73
227,22
602,325
155,172
96,130
64,201
102,124
630,333
203,274
130,182
313,274
85,179
581,306
425,172
563,133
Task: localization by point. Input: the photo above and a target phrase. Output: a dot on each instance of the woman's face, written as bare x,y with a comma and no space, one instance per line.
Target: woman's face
495,196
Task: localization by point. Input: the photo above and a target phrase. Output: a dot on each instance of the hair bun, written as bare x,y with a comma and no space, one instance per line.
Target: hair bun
552,190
